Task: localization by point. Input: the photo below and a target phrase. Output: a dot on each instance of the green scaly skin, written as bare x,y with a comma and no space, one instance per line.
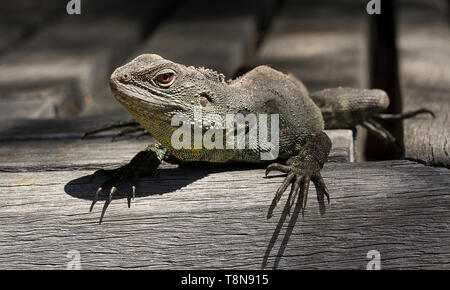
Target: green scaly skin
141,87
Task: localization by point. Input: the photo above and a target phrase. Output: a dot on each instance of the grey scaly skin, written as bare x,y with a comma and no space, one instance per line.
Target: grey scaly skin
154,89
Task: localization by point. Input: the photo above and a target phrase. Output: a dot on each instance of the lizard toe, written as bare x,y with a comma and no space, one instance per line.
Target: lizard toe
300,175
277,167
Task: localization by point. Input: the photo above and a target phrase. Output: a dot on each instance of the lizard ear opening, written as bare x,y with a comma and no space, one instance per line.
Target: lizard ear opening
204,99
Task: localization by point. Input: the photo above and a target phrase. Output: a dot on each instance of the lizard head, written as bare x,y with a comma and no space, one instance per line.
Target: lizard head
158,88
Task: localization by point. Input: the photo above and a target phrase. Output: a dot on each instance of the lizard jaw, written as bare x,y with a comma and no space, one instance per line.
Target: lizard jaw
130,95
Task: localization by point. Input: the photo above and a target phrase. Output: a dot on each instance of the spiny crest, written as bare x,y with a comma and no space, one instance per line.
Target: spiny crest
211,74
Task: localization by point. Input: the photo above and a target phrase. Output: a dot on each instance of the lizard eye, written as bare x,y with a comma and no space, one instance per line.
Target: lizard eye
165,79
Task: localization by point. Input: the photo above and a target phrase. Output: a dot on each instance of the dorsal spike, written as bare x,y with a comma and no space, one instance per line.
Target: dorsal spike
211,74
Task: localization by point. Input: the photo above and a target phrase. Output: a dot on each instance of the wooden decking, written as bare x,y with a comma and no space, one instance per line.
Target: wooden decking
210,218
425,77
54,72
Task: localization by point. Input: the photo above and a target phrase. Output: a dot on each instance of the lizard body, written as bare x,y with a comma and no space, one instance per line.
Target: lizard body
154,90
154,107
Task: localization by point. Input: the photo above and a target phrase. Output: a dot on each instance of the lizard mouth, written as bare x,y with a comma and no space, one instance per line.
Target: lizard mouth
134,96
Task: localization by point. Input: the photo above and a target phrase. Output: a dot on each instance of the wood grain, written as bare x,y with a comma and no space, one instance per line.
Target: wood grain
323,43
67,128
97,153
77,52
424,51
23,17
219,36
209,218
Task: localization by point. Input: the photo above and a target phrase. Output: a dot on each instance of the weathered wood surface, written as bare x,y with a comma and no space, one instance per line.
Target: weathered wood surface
38,103
342,148
218,36
323,43
205,218
424,52
81,59
75,127
39,155
77,53
59,154
22,17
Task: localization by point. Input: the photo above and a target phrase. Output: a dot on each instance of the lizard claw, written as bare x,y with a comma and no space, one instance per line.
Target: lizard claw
116,176
277,166
134,191
131,197
95,198
113,190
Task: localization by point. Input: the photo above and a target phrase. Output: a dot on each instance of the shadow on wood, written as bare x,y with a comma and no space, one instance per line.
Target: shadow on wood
174,178
277,231
291,224
82,188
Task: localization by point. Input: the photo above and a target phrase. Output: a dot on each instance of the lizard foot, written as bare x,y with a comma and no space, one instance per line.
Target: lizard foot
144,163
299,175
115,178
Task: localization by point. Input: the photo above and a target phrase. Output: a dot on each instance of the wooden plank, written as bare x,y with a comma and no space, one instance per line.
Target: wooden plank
323,43
342,148
21,18
78,52
29,12
218,36
9,36
424,58
53,102
65,154
42,129
208,218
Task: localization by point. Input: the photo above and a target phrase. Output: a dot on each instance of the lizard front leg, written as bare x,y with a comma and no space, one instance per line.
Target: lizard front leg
145,163
305,168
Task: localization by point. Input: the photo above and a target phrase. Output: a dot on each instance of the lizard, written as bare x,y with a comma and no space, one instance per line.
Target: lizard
154,90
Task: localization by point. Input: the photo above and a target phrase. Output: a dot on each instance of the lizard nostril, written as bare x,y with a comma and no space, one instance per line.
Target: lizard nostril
126,77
